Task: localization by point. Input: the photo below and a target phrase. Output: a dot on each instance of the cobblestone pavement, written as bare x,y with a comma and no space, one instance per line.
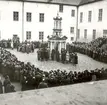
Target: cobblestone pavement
84,62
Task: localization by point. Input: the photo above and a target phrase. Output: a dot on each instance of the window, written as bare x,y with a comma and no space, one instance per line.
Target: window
73,13
41,17
28,35
100,14
81,17
15,16
28,16
72,30
41,35
60,8
85,34
89,16
104,33
14,36
78,34
94,34
72,38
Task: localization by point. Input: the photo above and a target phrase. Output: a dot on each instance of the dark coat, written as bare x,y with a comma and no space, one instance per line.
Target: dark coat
1,88
5,83
8,88
42,85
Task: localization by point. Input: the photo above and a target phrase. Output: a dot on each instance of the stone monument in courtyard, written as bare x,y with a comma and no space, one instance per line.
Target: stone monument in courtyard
57,41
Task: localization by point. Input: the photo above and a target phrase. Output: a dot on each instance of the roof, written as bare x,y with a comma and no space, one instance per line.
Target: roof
57,38
63,2
88,1
67,2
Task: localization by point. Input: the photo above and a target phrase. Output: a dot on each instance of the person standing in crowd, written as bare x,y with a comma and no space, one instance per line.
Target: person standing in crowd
75,59
0,65
39,54
43,84
53,54
5,83
1,87
12,44
24,82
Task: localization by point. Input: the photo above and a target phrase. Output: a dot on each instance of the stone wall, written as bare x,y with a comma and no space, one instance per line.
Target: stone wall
93,93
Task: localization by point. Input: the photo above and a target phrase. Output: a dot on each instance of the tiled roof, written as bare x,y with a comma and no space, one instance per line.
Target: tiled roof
88,1
69,2
66,2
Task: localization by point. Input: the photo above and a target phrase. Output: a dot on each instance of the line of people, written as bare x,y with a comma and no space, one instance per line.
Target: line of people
96,49
64,57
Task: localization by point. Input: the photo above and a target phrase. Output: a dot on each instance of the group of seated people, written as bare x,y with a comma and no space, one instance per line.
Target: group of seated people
31,77
96,49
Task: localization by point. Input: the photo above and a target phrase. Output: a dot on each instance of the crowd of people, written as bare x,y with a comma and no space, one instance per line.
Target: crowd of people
5,43
96,49
43,54
64,57
33,78
26,47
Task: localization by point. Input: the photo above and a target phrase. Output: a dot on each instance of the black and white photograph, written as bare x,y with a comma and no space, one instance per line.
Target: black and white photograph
53,52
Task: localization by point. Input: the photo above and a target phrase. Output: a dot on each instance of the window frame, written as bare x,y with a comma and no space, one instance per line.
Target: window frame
72,30
94,34
41,17
85,33
78,34
105,33
72,38
81,17
41,35
100,14
15,16
73,13
89,16
28,16
28,35
61,8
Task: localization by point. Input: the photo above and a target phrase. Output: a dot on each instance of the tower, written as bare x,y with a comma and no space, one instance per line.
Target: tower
57,41
57,25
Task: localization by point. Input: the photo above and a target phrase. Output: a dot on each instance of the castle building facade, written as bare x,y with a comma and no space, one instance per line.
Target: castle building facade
33,20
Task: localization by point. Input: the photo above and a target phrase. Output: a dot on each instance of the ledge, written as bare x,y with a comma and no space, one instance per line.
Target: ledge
79,94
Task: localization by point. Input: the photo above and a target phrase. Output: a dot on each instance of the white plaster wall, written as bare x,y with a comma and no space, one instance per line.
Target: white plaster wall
8,27
94,24
50,11
69,21
35,26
